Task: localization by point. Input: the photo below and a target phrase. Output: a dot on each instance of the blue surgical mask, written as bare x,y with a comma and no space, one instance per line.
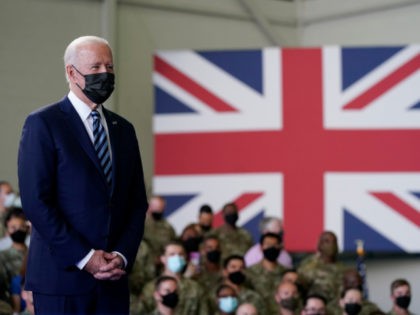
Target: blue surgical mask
176,263
228,304
9,200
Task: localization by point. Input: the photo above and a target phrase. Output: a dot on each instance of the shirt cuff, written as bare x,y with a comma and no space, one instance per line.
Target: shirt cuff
81,264
123,258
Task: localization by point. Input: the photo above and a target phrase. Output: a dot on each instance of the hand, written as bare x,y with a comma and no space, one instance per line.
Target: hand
112,270
95,262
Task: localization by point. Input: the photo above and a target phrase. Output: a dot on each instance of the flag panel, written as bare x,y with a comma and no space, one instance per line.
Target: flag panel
301,126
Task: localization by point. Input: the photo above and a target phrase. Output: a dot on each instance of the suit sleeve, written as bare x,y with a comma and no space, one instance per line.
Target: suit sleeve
37,170
132,235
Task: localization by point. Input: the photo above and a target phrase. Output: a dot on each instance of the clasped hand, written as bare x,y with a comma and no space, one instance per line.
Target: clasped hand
105,266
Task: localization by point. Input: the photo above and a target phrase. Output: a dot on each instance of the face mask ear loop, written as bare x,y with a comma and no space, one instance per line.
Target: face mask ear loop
78,70
77,84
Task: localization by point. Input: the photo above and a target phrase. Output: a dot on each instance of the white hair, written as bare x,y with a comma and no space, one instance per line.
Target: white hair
70,54
266,222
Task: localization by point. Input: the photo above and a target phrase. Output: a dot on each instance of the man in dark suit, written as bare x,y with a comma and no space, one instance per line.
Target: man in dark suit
81,183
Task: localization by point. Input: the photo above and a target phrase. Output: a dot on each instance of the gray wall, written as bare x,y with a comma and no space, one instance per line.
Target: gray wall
34,34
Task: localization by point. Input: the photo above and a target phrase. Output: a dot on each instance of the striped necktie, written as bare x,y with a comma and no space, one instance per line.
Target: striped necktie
100,143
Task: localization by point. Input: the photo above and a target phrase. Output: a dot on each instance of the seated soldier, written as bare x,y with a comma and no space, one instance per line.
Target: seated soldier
246,309
205,219
165,295
351,301
192,298
226,300
210,272
287,298
234,276
401,297
314,304
233,239
267,274
255,254
352,279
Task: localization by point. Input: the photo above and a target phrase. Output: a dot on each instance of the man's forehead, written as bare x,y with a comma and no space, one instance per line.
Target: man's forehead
94,51
402,288
235,262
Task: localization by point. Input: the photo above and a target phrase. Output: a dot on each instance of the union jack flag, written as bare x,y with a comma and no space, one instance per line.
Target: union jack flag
325,138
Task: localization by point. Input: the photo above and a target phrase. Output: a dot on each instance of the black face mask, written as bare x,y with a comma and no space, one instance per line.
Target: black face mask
280,234
192,244
231,219
290,304
237,277
157,216
352,308
214,256
18,236
271,253
170,300
205,228
403,301
98,86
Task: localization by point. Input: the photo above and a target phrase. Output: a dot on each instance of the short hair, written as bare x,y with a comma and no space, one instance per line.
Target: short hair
232,257
70,54
345,290
211,237
315,296
206,209
398,283
173,242
289,270
264,222
162,279
272,235
2,183
161,198
14,212
230,204
191,226
223,286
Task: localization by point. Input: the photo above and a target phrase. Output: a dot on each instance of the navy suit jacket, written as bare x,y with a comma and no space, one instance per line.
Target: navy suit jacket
65,196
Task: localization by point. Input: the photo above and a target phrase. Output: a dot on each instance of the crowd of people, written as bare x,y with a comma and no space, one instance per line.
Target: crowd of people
207,270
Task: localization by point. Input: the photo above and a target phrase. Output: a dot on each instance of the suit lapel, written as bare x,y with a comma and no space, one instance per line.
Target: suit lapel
78,129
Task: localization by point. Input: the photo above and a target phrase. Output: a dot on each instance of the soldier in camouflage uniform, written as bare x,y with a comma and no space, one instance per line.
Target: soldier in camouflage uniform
234,276
192,298
226,300
233,239
5,189
351,301
5,308
401,297
144,269
157,230
205,219
314,304
287,298
246,309
321,273
166,296
267,274
352,279
4,285
210,273
11,259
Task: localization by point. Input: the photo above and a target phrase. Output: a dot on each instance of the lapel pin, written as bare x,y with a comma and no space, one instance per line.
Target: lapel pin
114,122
